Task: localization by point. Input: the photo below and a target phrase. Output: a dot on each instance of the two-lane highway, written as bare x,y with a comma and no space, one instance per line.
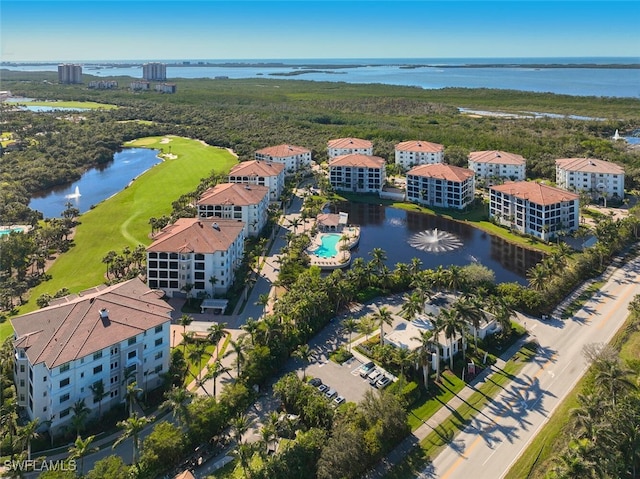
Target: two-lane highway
500,433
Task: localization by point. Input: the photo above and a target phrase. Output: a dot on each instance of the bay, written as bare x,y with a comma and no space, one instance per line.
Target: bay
617,77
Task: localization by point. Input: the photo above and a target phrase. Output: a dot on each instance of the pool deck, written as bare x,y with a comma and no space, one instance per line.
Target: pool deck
17,228
340,260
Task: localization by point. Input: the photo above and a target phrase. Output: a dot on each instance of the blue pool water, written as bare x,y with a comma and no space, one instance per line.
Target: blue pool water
328,245
7,231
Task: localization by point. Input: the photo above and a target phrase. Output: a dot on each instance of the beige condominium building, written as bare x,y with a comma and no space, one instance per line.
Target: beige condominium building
534,209
294,158
413,153
357,173
264,173
601,179
440,185
493,167
192,251
349,146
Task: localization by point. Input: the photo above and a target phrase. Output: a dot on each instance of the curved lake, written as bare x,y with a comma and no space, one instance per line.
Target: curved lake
390,229
96,184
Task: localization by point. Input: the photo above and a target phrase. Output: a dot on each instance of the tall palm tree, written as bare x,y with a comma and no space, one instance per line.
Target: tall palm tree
382,317
26,434
215,333
80,449
132,427
251,326
80,413
238,348
537,277
613,378
412,306
195,355
366,326
215,370
469,311
350,326
99,394
451,326
184,321
239,426
306,354
424,353
177,399
131,394
295,222
378,257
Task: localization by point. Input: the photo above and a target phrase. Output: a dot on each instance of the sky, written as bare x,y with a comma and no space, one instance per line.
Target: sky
241,29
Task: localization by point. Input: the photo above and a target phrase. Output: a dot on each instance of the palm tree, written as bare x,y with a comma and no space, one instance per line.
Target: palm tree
80,449
537,277
214,371
295,222
306,354
215,333
350,326
378,257
108,260
238,348
251,326
382,317
469,311
177,400
366,326
424,353
26,434
80,413
195,355
131,394
239,426
613,377
412,306
132,427
451,325
184,321
99,394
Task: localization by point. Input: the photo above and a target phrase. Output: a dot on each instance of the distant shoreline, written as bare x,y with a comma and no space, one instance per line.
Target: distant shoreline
334,66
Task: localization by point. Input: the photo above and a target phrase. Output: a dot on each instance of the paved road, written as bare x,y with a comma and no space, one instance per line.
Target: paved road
503,430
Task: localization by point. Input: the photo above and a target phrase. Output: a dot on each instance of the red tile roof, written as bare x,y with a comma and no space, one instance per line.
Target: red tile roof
234,194
442,171
257,168
589,165
73,328
357,160
536,192
347,143
420,146
283,151
197,235
498,157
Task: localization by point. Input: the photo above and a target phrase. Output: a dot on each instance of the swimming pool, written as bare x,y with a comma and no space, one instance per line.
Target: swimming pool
6,231
328,245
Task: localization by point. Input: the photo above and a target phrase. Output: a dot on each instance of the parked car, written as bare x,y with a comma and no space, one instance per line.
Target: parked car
331,393
383,382
338,400
374,376
315,382
365,369
323,388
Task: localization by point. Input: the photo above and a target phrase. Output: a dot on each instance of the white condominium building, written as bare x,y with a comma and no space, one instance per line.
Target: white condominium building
193,251
265,173
294,158
349,146
69,73
98,340
440,185
600,178
154,71
248,203
357,173
413,153
496,166
534,209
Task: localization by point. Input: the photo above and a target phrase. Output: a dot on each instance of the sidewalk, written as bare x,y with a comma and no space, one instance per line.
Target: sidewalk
399,454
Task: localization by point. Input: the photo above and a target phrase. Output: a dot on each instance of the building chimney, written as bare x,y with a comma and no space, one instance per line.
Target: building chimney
104,313
216,226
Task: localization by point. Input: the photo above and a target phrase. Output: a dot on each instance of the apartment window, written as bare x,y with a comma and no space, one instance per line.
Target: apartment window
114,351
158,355
114,380
97,355
64,368
132,354
65,412
22,384
158,341
64,398
44,379
65,382
131,341
44,394
97,369
22,369
158,368
114,365
158,329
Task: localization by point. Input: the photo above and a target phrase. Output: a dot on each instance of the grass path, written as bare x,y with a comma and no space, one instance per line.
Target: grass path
123,220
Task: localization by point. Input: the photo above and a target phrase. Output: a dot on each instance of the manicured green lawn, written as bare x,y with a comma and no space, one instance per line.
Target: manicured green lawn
92,105
450,386
123,220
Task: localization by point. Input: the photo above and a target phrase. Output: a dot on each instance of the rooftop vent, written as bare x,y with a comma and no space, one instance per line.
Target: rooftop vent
104,313
216,226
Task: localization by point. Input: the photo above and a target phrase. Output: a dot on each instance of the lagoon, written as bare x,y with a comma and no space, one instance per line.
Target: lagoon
391,230
97,184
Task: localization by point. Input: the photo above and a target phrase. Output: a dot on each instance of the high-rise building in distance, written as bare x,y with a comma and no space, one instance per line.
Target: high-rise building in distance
154,71
69,73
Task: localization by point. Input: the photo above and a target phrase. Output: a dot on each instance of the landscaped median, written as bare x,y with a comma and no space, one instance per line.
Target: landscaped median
430,446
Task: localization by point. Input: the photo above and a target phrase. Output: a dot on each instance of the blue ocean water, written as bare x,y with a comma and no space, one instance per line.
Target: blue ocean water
568,76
